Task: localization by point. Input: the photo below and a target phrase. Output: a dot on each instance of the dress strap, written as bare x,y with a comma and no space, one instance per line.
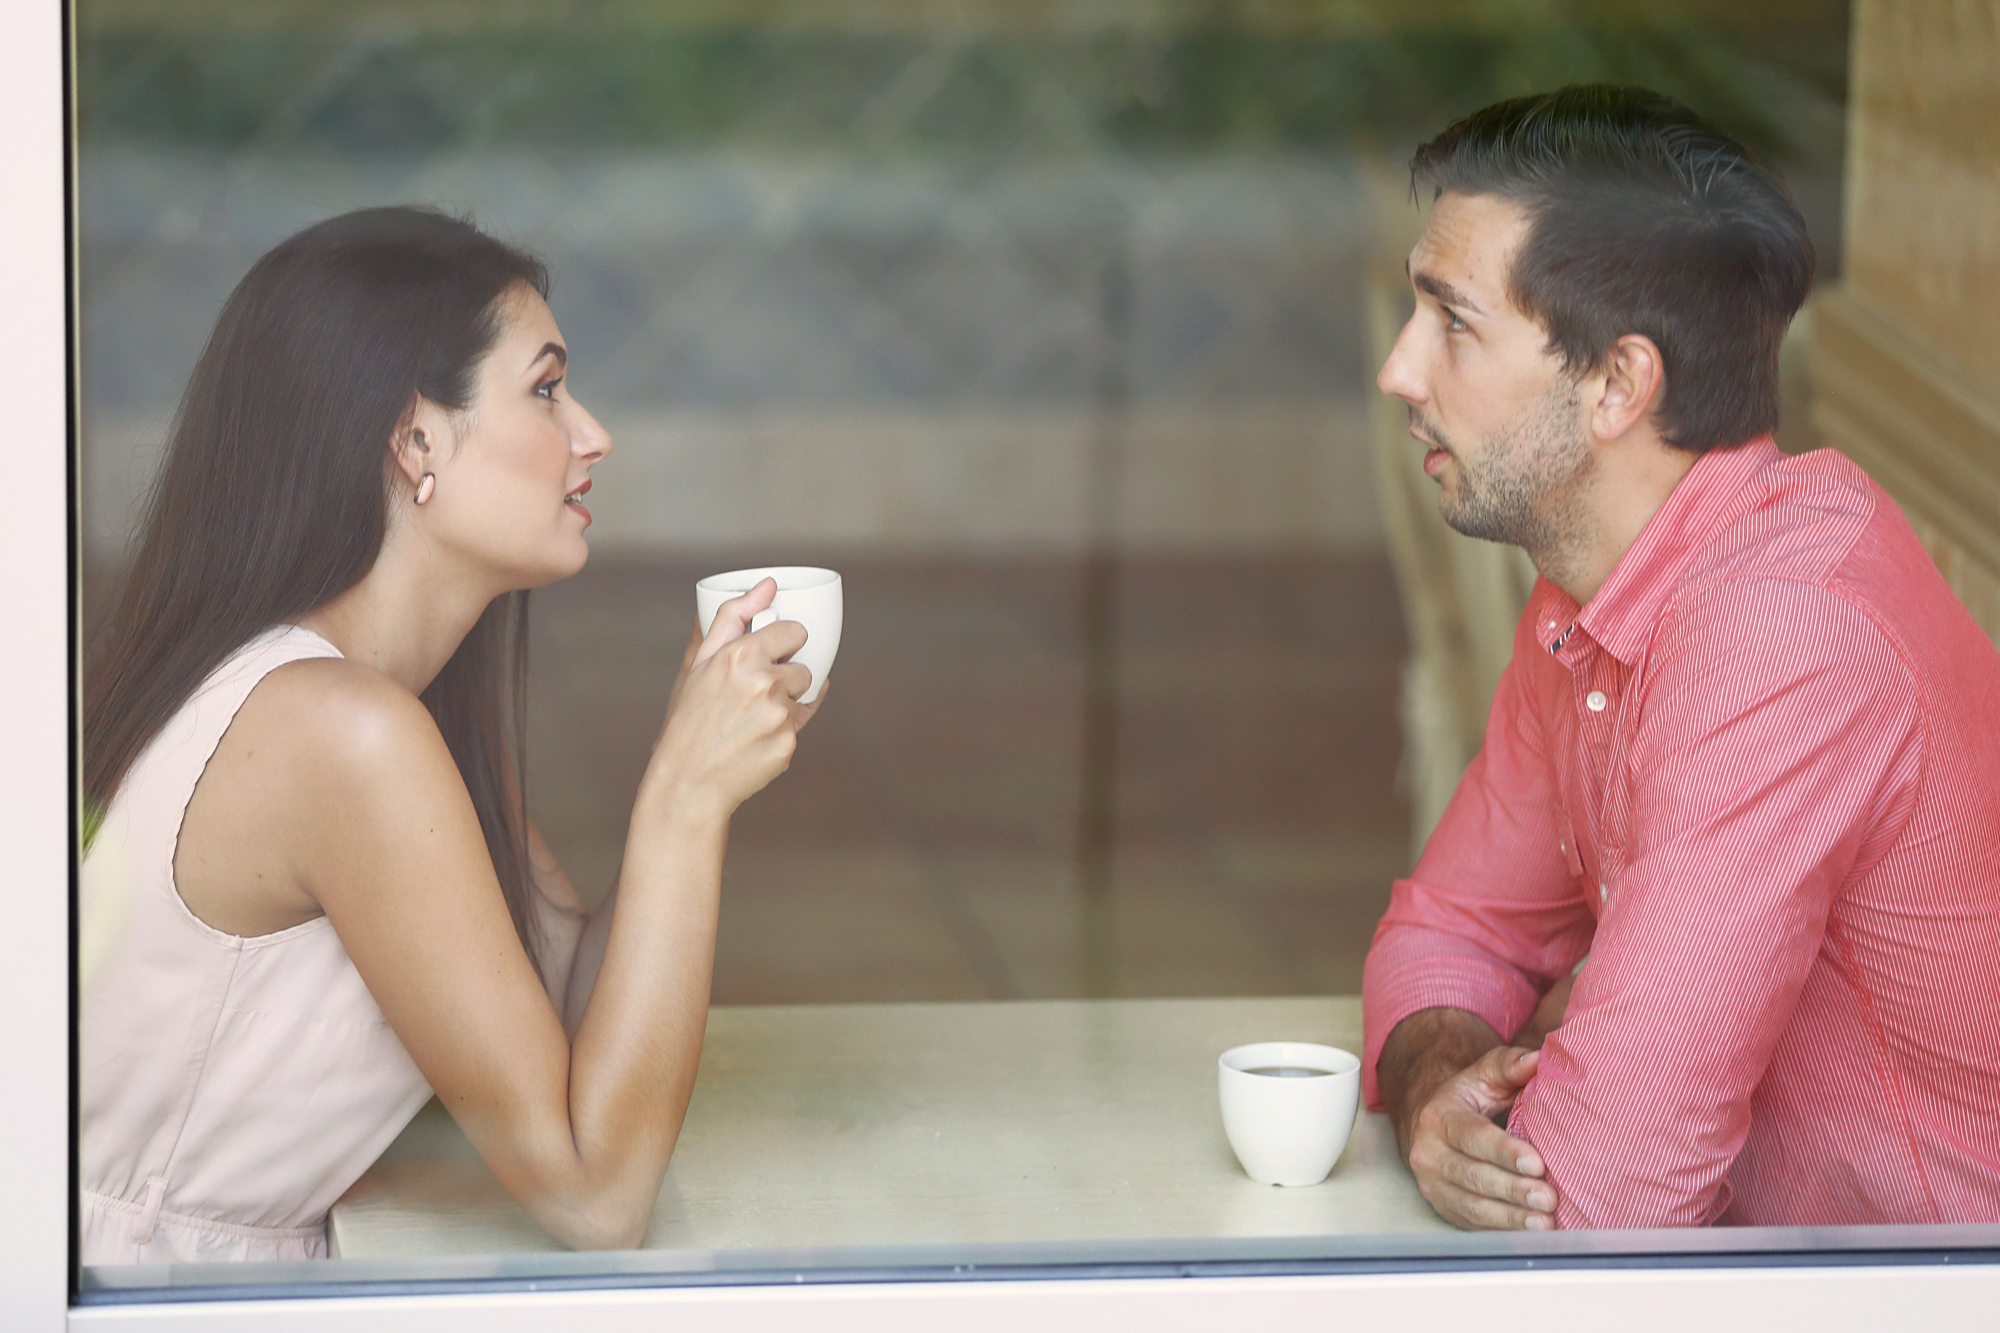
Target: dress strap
136,843
213,706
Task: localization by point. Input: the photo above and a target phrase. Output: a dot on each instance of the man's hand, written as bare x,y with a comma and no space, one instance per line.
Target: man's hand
1475,1174
1444,1074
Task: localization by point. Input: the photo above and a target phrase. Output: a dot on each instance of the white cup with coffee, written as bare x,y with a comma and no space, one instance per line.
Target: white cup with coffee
807,595
1288,1107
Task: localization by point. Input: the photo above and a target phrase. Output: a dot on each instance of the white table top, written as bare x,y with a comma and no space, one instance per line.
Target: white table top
925,1124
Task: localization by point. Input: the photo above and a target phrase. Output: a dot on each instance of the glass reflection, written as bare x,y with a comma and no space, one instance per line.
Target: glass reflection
1055,338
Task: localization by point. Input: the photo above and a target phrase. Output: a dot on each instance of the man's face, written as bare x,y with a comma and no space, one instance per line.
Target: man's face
1502,416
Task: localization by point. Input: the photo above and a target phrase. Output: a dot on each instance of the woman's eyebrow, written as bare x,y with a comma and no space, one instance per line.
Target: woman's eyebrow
1432,285
556,350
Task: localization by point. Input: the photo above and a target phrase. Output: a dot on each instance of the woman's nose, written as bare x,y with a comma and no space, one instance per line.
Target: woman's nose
590,441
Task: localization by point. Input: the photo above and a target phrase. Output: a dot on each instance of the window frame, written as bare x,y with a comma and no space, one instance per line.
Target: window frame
36,726
37,1149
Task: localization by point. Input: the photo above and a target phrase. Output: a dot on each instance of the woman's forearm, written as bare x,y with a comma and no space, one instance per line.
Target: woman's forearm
637,1002
637,1007
589,957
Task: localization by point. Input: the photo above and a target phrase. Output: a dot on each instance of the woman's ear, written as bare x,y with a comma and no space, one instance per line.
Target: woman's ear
1634,375
411,446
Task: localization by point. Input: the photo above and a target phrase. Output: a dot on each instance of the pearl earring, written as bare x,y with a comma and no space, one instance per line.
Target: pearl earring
426,486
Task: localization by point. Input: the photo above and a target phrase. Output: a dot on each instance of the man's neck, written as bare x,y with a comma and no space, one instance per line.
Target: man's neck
1606,512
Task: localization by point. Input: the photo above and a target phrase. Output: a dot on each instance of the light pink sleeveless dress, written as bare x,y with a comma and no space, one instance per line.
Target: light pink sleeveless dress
231,1088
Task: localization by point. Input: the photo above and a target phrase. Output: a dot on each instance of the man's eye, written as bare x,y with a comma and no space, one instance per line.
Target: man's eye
1451,320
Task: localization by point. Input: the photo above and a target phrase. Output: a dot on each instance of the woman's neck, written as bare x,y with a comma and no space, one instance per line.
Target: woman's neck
405,618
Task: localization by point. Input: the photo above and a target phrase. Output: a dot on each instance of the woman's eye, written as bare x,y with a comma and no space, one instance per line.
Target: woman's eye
547,388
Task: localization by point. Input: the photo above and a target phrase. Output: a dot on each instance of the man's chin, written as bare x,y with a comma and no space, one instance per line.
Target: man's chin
1467,520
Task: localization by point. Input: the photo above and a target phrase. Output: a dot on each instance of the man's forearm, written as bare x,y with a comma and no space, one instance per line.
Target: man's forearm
1423,1051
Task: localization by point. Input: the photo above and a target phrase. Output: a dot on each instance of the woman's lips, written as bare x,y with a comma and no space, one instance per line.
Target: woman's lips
575,501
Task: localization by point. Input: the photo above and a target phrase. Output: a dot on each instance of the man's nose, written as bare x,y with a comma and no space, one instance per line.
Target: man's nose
1399,376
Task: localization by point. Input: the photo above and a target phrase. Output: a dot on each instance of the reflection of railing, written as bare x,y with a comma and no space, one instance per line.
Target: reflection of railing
833,352
965,81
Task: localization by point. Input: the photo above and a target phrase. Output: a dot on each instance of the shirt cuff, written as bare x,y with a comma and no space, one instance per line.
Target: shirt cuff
1502,996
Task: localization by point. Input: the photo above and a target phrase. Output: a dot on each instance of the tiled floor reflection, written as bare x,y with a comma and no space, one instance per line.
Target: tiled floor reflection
924,844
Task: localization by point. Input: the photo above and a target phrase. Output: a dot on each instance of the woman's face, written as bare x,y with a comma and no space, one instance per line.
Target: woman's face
512,470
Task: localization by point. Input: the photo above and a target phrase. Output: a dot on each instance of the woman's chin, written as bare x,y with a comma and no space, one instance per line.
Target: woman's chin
576,559
570,559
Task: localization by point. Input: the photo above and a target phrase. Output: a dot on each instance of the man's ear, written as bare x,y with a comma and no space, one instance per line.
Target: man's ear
1634,377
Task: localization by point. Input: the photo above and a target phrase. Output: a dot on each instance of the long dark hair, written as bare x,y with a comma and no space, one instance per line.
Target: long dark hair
274,493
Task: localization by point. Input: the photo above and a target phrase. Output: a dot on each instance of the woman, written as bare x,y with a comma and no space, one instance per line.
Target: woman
315,897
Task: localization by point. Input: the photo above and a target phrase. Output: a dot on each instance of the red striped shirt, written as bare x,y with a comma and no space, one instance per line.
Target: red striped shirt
1757,781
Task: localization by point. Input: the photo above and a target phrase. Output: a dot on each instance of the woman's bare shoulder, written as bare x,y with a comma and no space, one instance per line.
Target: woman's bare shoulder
356,783
333,711
320,762
339,744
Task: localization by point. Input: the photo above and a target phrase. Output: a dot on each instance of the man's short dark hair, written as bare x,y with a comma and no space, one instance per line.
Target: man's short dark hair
1643,219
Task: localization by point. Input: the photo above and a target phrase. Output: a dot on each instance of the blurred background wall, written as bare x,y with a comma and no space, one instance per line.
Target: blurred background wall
1052,324
846,271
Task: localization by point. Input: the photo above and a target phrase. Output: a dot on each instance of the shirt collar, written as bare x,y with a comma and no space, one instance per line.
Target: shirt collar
1622,615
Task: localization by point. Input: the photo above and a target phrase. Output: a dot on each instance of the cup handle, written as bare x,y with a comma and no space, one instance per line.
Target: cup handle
765,617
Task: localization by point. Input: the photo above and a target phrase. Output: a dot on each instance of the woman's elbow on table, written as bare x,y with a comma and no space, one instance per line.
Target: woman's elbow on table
611,1217
586,1200
606,1230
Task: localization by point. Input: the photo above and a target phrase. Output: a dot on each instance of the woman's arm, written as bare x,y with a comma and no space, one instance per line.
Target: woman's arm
383,835
587,944
560,918
588,961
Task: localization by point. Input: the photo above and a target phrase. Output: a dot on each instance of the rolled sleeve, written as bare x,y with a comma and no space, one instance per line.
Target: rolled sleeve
1492,914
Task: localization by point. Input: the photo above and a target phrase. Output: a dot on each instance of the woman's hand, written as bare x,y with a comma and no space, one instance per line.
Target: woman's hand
733,716
694,643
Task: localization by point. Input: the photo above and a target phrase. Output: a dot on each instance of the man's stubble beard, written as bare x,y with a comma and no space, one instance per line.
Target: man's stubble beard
1527,489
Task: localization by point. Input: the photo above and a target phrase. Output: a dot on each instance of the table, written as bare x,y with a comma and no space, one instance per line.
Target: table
902,1124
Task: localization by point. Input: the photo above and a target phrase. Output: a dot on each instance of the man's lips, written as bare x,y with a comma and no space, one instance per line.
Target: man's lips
1434,454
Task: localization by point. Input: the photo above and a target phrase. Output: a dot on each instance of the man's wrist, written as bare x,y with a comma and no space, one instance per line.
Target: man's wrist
1422,1052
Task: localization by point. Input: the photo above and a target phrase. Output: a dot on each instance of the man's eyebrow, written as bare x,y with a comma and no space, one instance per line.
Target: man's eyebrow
556,350
1432,285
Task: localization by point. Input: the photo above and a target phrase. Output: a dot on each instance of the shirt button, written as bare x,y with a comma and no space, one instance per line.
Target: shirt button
1595,700
1604,893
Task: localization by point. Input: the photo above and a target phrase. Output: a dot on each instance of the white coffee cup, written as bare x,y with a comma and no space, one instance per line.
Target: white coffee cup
1288,1128
807,595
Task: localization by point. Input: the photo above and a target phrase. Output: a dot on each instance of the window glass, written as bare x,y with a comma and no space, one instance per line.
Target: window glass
1055,332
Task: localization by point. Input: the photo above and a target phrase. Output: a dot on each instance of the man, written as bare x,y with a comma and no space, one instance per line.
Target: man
1744,757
